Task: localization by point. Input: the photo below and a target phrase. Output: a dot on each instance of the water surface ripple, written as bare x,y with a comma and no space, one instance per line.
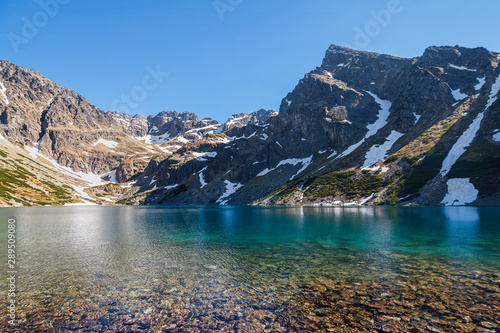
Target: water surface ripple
248,269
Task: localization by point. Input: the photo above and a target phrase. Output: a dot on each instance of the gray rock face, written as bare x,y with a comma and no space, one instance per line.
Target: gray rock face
332,122
361,128
337,113
172,124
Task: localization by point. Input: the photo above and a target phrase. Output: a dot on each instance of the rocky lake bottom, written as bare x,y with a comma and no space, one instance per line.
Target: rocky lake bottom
244,269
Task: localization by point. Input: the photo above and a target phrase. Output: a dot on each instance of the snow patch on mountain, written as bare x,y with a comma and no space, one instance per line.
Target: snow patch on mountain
210,128
204,155
460,147
154,139
234,138
90,178
417,117
120,118
382,169
231,188
292,161
219,129
305,164
3,90
481,83
462,68
495,88
107,143
80,190
457,95
378,152
232,120
332,154
167,188
159,139
110,176
460,192
381,121
33,152
202,178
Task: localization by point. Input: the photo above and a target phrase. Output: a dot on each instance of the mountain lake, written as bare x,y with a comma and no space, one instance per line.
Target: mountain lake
250,269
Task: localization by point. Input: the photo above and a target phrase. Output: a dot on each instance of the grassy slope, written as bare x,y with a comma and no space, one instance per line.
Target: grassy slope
24,181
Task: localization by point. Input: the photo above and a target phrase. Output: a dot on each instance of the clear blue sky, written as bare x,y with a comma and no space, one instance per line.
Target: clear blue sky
249,59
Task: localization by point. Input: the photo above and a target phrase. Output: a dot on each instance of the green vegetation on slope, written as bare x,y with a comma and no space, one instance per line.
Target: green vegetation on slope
346,183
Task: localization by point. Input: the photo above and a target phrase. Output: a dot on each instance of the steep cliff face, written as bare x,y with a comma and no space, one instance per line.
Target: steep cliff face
362,128
63,125
436,144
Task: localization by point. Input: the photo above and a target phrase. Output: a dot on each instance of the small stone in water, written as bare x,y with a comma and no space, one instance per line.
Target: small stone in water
210,266
488,324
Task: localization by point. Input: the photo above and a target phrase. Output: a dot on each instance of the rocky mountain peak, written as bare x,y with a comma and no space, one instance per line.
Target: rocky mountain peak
171,124
339,56
362,128
456,56
259,118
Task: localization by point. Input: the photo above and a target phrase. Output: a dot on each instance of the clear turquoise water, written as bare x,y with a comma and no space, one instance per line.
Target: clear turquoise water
159,263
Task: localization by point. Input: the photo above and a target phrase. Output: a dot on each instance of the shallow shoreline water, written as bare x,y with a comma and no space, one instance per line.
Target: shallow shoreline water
252,269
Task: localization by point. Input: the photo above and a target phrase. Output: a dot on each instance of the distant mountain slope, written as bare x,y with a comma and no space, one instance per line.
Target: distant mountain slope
362,128
51,123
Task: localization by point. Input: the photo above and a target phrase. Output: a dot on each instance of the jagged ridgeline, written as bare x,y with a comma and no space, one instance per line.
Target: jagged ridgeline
361,129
